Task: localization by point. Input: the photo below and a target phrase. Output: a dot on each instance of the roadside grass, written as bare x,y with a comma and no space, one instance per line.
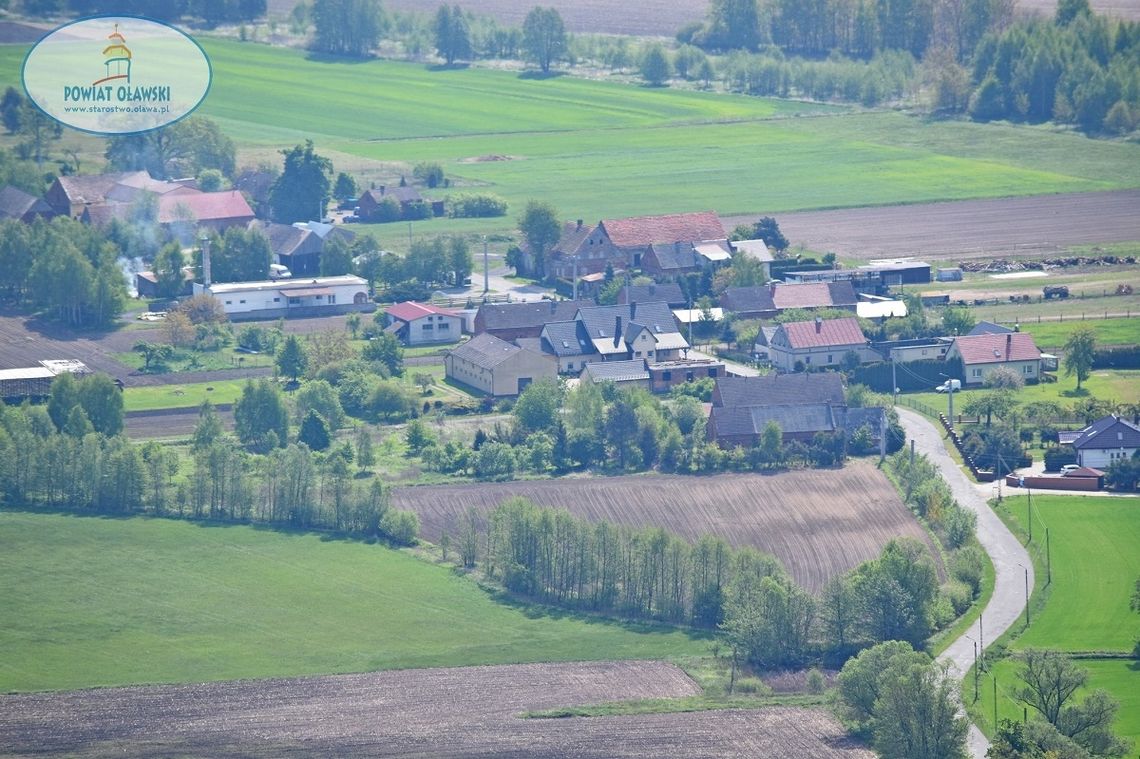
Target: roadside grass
189,395
1085,609
95,601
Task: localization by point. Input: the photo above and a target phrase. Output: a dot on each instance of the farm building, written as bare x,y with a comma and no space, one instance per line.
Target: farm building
19,205
183,215
274,299
372,201
919,349
898,272
668,374
422,323
632,373
766,301
35,381
669,292
673,260
296,248
146,284
797,346
989,328
497,368
757,250
743,425
874,307
780,390
1106,441
981,354
509,321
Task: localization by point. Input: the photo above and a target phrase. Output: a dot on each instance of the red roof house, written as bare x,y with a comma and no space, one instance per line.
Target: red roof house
796,346
422,323
981,354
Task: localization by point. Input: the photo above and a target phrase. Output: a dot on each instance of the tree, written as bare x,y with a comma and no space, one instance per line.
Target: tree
102,401
655,66
860,680
1080,350
768,230
459,260
538,407
1070,10
303,186
211,180
541,229
389,400
260,418
544,37
10,106
365,457
997,402
242,255
168,273
428,172
385,349
896,590
314,431
185,148
336,257
345,187
291,359
915,715
957,321
208,430
452,34
153,353
1004,378
733,24
318,395
347,27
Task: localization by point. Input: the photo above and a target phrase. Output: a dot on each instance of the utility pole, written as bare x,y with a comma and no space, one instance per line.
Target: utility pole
1048,560
883,437
894,379
486,269
1029,511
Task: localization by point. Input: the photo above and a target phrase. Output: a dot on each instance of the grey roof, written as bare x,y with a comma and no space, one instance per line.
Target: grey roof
601,325
676,256
532,344
567,339
780,390
670,293
872,416
485,351
285,239
748,299
617,371
407,194
989,328
1109,432
15,203
524,315
93,188
798,419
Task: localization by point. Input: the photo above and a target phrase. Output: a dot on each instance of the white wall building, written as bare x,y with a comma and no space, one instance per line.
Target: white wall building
274,299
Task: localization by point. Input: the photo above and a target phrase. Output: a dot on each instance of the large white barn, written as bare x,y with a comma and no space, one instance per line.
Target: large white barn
291,297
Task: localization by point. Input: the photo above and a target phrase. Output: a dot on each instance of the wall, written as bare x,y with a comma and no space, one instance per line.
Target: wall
1056,483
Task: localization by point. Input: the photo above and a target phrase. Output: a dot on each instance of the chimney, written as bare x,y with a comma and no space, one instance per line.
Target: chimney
553,306
818,324
1008,345
617,333
382,188
205,241
579,223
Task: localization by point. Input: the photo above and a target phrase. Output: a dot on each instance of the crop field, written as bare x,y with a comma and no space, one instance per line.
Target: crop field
92,601
1053,334
818,523
471,711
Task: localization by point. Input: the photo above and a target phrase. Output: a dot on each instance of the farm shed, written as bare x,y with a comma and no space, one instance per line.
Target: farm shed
621,373
274,299
666,375
35,381
497,368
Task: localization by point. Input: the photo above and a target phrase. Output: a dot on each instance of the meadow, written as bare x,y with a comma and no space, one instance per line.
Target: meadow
598,149
1085,609
95,601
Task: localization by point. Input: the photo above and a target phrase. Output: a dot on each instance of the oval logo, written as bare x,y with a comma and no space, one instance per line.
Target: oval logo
116,74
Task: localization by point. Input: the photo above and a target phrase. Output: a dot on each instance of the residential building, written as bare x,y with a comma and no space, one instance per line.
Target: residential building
666,375
670,292
495,367
673,260
918,349
636,330
69,195
817,344
1106,441
629,373
184,215
569,343
274,299
780,390
981,354
990,328
371,200
422,323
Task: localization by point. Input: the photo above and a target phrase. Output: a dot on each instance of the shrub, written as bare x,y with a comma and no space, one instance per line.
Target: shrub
960,524
959,595
476,206
968,565
1055,458
815,681
400,526
752,685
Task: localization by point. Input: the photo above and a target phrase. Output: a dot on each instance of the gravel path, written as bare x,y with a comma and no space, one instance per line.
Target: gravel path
1009,557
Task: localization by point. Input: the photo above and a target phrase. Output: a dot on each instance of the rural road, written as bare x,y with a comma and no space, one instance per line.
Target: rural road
1009,557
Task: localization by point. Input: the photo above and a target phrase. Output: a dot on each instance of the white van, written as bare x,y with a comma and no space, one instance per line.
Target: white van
949,385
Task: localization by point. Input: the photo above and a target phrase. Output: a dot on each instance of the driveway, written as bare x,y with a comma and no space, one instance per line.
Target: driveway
1009,557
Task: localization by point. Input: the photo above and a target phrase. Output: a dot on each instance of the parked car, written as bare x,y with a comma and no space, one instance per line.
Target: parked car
1068,468
949,385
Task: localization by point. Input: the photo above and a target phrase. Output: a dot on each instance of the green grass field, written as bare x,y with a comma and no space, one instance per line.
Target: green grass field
1118,386
189,395
601,149
1052,335
91,601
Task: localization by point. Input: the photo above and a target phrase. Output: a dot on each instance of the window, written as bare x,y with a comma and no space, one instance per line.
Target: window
428,327
666,376
294,301
924,351
976,373
241,301
276,300
637,354
332,299
444,327
688,376
807,359
1028,369
712,372
229,302
830,360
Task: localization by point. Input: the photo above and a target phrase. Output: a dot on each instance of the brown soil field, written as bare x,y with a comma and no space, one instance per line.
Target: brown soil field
1042,224
819,523
472,711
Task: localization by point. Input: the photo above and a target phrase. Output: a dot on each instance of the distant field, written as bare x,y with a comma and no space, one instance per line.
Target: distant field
1052,335
94,601
819,523
1118,386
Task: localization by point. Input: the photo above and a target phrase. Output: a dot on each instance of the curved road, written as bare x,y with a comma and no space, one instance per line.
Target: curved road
1008,555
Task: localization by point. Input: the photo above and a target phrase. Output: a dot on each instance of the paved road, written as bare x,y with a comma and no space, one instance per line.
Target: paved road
1009,557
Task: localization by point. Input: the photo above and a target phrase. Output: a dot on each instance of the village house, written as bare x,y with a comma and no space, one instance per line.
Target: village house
495,367
664,261
631,331
422,323
981,354
569,343
630,373
818,344
767,301
371,201
19,205
669,292
1104,442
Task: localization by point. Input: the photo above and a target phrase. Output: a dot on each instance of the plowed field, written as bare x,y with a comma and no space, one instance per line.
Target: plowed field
436,712
819,523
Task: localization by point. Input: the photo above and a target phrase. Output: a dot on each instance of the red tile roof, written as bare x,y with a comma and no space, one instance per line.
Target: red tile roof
807,295
997,349
410,311
640,231
824,333
205,206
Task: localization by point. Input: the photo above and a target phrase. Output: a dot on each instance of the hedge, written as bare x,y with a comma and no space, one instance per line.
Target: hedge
915,375
1125,357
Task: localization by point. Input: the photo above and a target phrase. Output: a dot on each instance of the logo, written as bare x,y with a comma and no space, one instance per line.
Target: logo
161,76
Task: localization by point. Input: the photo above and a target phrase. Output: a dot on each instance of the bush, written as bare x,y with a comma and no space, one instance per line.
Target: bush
430,174
1126,357
752,685
476,206
400,527
959,595
960,525
968,565
418,209
1055,458
387,210
815,681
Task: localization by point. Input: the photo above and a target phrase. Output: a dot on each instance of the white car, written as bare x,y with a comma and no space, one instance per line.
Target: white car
949,385
1068,468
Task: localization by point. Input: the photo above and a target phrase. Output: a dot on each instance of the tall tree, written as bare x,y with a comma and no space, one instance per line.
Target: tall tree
167,268
1080,350
260,418
336,257
655,66
347,27
314,432
452,34
303,186
291,359
544,37
734,24
182,149
916,713
541,229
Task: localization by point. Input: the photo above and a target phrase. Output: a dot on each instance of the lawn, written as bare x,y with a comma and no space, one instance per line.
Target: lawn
1050,335
1117,385
94,601
189,395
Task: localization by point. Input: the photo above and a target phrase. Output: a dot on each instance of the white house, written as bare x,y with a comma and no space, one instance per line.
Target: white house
422,323
796,346
496,367
981,354
322,296
1106,441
